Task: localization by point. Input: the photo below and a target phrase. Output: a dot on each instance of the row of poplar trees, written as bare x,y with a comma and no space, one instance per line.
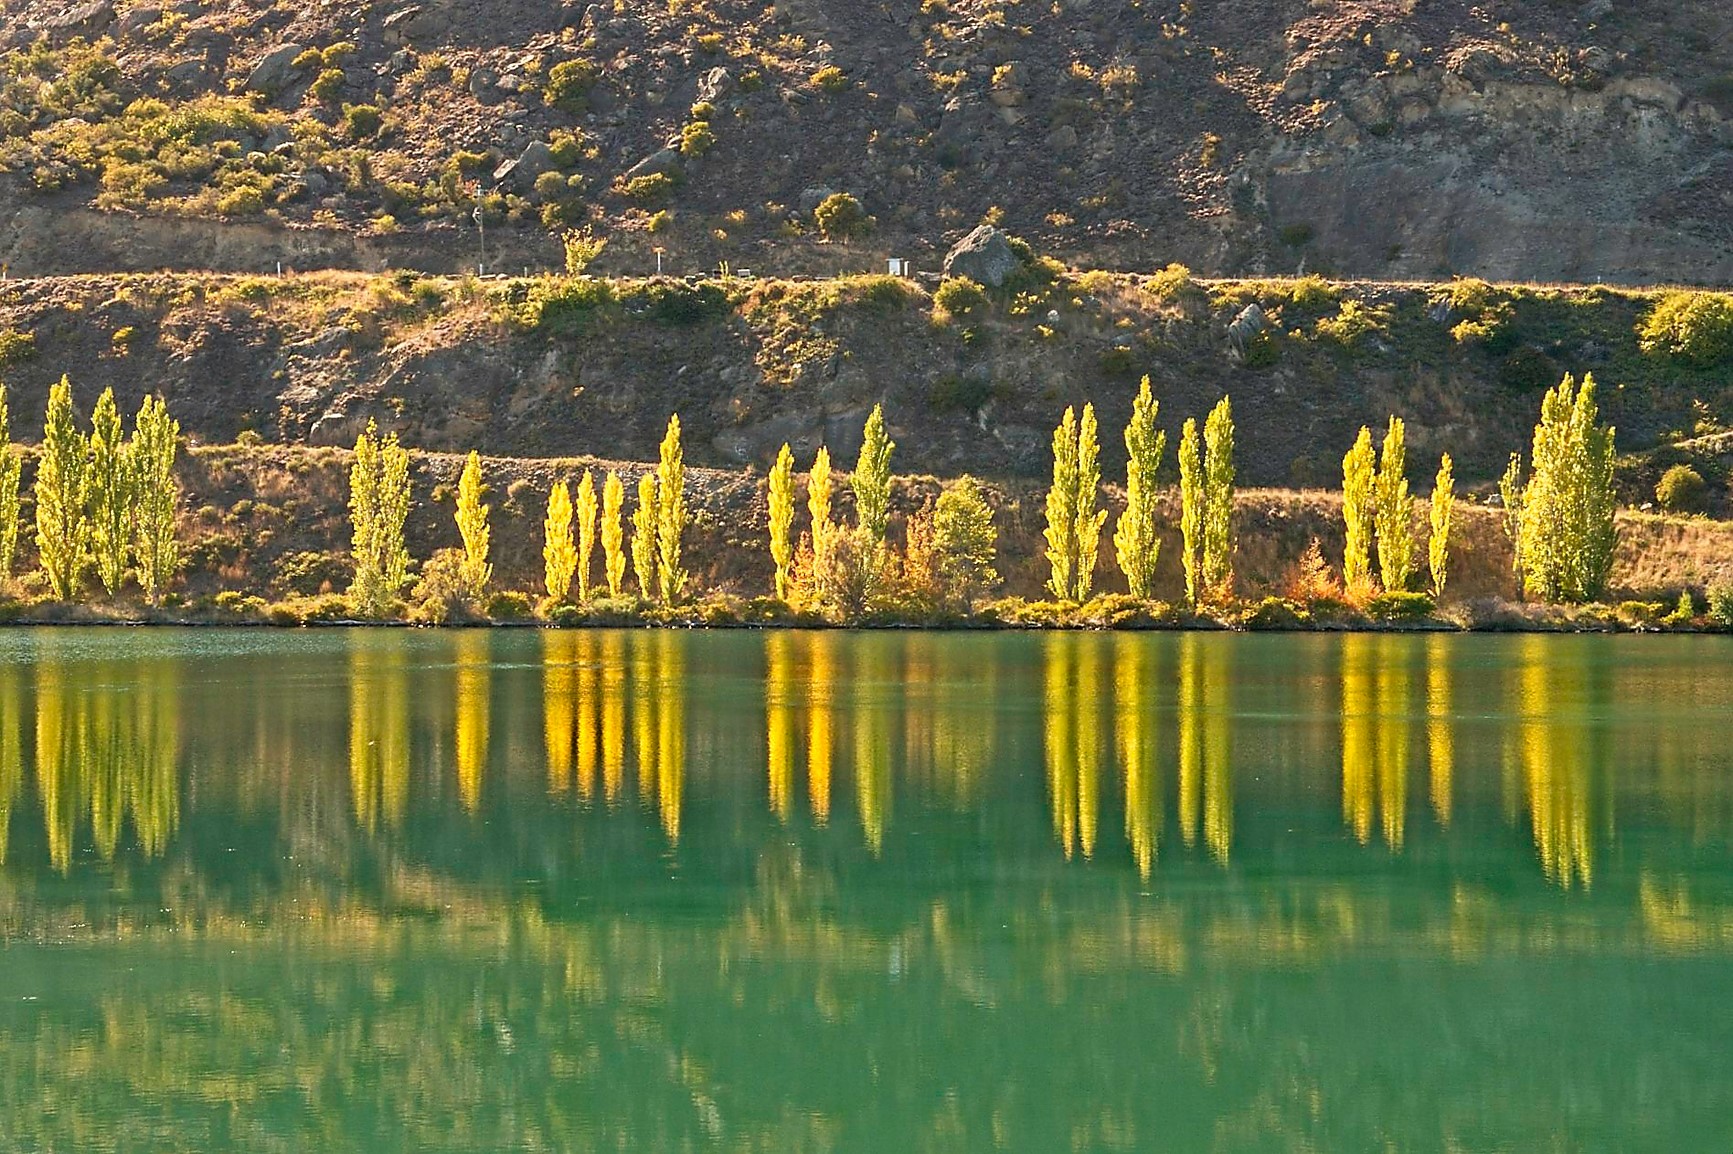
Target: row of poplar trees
105,502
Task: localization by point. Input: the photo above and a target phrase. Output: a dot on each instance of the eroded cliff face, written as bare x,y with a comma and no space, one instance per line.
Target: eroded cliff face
1369,138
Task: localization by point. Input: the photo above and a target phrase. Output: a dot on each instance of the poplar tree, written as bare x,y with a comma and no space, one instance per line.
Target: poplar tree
11,466
62,532
586,533
378,507
1191,509
1510,487
781,495
1218,476
1567,534
613,534
472,524
156,496
1395,513
1359,513
1073,521
1134,538
818,494
871,479
559,557
1443,508
108,493
644,524
671,513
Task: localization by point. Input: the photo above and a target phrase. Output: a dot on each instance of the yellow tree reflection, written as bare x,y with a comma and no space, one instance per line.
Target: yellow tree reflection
644,715
1060,738
11,748
779,721
1135,728
1393,737
821,694
1556,757
378,729
1359,735
670,731
584,706
559,691
473,691
61,755
613,714
1376,690
1218,780
1441,751
153,791
872,738
1190,736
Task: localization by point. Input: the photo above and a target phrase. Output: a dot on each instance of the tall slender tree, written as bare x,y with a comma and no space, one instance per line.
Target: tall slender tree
587,511
1359,513
818,496
559,556
156,496
1567,532
1062,510
644,525
472,524
62,530
1218,473
108,493
1135,542
1442,510
613,534
781,497
1090,518
1191,510
11,467
871,479
1395,511
671,514
378,508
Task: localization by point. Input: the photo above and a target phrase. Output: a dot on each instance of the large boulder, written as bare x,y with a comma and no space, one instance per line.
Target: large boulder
81,19
664,162
536,159
985,256
272,74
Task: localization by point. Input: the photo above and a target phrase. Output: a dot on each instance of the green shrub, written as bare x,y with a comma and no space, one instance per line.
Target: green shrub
361,121
509,606
1118,361
830,78
960,298
1681,490
328,86
647,189
1399,606
696,138
563,305
1171,284
15,346
1313,294
1695,327
309,573
1720,597
840,216
1527,370
966,394
888,294
674,302
569,85
1352,323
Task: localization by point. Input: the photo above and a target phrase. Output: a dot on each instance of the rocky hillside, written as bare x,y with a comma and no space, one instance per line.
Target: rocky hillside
1385,139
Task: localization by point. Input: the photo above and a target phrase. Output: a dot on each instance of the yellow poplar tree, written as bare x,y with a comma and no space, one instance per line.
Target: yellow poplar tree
871,479
781,491
818,493
586,533
559,558
62,533
472,524
1191,510
108,493
156,496
1359,513
1567,533
378,507
1443,506
1134,538
613,533
11,466
671,514
644,524
1218,477
1395,514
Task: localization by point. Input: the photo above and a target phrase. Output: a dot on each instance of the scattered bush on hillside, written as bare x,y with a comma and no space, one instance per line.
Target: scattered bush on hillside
569,85
674,302
563,305
1695,327
1171,285
1353,322
830,78
958,298
840,216
647,189
696,138
1681,490
15,346
1527,370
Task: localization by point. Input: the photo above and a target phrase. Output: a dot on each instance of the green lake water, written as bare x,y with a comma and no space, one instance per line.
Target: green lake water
384,890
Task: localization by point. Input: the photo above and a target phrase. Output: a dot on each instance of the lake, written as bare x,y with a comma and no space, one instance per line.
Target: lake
520,890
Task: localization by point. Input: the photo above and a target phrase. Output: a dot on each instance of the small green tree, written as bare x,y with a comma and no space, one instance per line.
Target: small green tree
1510,490
1135,542
1359,513
378,508
586,533
840,216
1191,510
644,524
472,524
156,496
11,466
818,495
871,479
671,514
1443,508
62,531
781,495
1395,512
559,556
1218,475
108,493
964,540
1090,519
613,534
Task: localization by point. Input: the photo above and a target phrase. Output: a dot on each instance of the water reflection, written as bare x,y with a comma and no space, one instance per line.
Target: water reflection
1559,698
